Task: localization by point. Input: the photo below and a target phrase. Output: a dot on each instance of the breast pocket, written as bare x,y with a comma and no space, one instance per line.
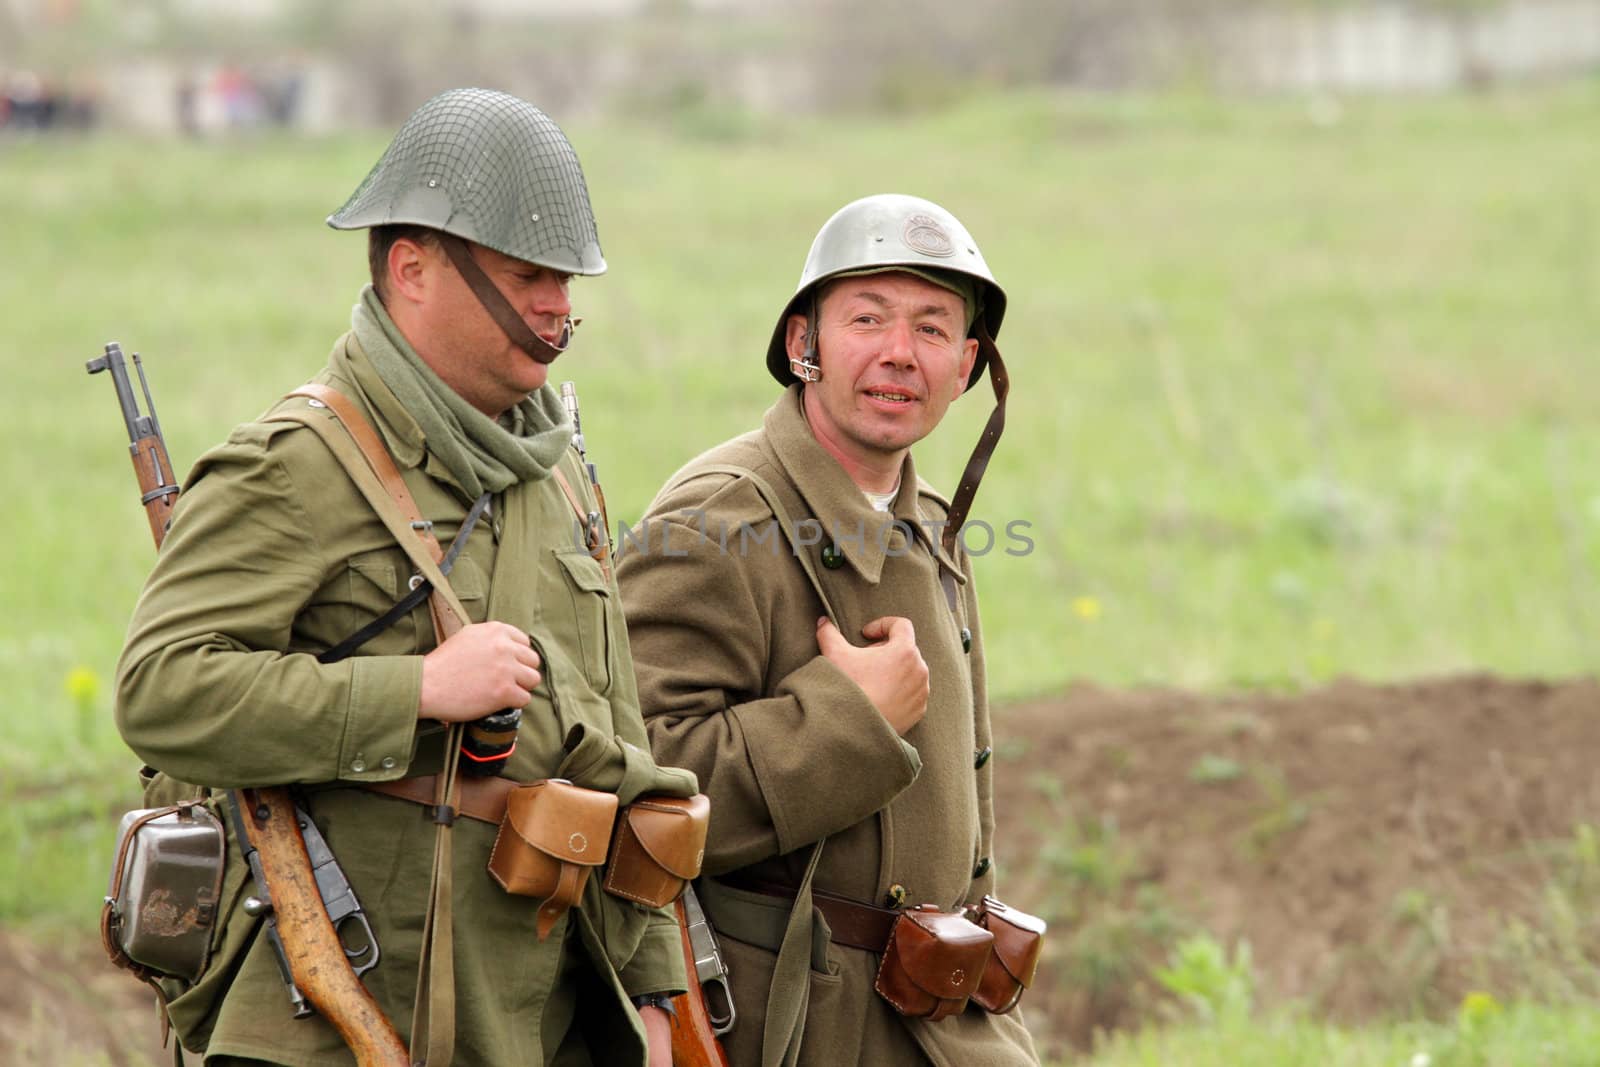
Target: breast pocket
590,601
368,585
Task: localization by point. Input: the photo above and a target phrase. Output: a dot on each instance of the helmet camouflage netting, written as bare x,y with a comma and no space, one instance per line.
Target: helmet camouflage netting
489,168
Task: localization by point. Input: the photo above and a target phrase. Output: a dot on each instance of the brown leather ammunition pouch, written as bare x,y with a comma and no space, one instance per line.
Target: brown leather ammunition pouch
1018,939
553,834
933,962
161,909
659,846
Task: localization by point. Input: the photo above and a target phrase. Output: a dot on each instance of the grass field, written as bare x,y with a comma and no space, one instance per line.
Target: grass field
1301,391
1490,1036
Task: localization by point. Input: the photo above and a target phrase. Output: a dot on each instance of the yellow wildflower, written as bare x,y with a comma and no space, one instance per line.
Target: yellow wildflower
1477,1008
83,685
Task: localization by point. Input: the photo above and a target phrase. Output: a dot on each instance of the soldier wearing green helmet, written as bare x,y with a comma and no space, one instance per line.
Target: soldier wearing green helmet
239,668
826,681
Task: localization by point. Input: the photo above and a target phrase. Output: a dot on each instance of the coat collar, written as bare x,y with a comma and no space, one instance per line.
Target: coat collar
849,521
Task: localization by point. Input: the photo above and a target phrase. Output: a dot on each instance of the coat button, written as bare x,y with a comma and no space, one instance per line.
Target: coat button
980,757
895,897
982,868
966,640
358,765
387,763
832,557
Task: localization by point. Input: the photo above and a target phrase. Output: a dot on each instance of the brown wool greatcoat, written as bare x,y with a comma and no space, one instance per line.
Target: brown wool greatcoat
732,686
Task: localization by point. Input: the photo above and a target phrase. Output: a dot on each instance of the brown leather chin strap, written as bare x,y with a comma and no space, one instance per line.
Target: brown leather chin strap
499,308
961,503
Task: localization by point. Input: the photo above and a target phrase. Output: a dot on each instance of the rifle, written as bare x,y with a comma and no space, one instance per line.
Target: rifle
597,525
317,967
705,1011
157,485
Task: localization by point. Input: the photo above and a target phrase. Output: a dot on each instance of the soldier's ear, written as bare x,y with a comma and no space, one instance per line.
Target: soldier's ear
794,337
409,269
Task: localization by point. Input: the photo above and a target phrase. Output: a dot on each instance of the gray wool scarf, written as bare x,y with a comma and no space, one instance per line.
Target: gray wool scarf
483,454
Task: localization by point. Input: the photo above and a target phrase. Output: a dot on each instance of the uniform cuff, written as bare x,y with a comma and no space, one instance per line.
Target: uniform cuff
381,719
657,965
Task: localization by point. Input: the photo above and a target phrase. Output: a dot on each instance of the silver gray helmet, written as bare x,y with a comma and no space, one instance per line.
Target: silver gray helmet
491,169
883,232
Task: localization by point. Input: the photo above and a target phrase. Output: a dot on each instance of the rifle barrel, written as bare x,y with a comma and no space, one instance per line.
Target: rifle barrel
158,485
114,362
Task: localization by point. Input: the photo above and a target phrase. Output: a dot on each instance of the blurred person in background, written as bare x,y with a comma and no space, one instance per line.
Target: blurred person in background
830,694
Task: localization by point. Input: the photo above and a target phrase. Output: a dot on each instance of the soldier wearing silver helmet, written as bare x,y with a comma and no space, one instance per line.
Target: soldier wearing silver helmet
805,631
478,217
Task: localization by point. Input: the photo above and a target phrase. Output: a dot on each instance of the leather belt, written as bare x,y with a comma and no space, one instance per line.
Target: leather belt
483,799
850,922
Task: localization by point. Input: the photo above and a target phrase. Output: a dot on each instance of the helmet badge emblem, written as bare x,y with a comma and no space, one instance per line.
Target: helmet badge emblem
923,234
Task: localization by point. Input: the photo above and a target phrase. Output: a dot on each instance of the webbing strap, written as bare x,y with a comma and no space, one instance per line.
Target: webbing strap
770,494
420,591
360,451
597,541
377,458
788,996
448,614
433,1012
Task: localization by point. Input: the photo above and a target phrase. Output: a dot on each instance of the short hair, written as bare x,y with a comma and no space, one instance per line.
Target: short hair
381,238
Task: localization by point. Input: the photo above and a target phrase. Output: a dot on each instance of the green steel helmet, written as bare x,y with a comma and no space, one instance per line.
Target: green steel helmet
881,233
491,169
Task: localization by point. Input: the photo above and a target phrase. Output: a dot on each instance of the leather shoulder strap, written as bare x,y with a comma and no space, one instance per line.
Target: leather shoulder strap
774,501
596,536
375,475
967,488
362,454
377,456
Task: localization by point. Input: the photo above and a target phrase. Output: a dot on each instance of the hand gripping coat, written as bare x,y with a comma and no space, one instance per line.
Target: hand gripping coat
722,617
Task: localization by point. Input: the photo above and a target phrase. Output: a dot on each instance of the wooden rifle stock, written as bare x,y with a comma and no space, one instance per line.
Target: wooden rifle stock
317,960
156,485
311,945
694,1042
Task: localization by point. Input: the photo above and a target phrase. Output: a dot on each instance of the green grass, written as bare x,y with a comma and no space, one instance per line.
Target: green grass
1292,399
1484,1035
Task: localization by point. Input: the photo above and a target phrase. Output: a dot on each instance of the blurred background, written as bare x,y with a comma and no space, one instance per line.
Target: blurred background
210,66
1296,682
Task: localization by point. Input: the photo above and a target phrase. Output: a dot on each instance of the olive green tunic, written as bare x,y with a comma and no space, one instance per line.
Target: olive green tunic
791,751
274,556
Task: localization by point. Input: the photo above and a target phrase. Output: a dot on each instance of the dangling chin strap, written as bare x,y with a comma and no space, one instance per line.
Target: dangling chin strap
961,503
499,308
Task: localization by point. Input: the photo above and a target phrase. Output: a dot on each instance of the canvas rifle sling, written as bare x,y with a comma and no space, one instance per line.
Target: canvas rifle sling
790,991
361,453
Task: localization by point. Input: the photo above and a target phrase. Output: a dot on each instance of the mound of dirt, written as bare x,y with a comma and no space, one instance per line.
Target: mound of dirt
1382,849
66,1005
